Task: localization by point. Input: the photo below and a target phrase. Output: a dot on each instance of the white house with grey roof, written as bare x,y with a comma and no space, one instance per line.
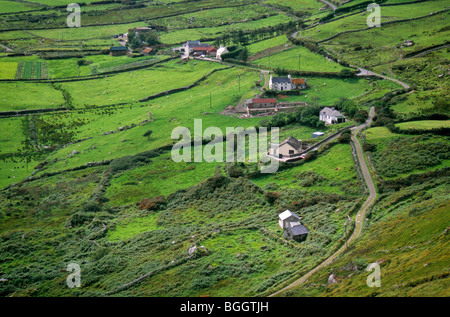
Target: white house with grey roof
331,116
286,83
293,229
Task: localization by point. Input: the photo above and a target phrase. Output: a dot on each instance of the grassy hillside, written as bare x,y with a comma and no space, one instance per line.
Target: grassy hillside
87,177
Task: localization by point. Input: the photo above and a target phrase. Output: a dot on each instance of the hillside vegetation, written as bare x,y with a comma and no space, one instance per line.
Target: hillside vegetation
87,177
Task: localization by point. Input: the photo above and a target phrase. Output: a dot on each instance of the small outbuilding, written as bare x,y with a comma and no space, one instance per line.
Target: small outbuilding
118,51
288,148
297,232
293,229
317,134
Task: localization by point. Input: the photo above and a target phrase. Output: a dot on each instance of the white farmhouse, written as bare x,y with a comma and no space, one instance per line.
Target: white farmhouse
331,116
280,83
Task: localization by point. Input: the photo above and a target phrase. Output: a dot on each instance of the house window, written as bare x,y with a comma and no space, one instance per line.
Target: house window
291,152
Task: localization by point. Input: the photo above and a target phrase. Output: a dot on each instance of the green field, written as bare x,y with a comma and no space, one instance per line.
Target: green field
299,59
21,96
423,125
87,175
8,70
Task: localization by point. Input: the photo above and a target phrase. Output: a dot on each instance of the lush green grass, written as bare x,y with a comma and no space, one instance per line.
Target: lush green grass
404,155
424,32
359,21
406,236
259,46
14,6
337,167
180,36
299,58
64,218
216,17
23,95
162,177
415,102
97,64
12,135
423,125
131,87
169,112
8,70
379,133
309,6
326,91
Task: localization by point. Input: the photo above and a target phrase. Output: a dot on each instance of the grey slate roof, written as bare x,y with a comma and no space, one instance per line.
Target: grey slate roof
281,80
118,48
296,144
332,112
299,230
190,43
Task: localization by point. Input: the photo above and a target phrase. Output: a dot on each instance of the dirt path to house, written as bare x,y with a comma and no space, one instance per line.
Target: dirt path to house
359,220
332,6
7,49
365,72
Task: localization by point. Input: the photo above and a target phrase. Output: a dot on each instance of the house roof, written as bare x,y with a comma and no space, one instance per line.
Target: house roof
298,81
205,48
264,100
281,80
147,50
332,112
193,42
296,144
298,230
286,214
118,48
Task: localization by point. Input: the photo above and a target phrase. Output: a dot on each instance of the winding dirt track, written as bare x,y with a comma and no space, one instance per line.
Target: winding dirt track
359,216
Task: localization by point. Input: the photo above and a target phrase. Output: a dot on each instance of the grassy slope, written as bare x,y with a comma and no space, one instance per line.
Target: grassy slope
242,260
407,236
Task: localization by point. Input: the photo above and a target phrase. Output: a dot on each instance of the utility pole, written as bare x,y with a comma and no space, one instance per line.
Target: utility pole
239,82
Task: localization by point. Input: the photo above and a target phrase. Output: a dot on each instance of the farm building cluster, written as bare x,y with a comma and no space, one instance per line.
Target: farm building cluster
123,39
287,83
199,49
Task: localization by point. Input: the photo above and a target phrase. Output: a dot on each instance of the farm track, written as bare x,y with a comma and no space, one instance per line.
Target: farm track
7,49
359,220
332,6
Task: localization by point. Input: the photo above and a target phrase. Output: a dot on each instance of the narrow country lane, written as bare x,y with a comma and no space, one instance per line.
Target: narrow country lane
359,219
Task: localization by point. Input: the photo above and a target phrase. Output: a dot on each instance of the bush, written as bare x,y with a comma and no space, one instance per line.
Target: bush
152,203
345,138
271,197
310,156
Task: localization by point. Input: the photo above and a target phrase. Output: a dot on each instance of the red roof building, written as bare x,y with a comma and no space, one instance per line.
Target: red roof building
261,103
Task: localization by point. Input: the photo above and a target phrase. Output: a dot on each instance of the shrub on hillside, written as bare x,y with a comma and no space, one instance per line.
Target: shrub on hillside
152,203
271,197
